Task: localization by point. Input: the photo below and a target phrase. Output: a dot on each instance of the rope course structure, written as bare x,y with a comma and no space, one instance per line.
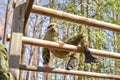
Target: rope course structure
20,17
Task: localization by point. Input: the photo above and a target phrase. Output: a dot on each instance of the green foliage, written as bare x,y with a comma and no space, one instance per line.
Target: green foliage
71,8
118,67
98,37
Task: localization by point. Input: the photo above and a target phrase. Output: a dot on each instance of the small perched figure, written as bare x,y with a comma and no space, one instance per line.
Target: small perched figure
52,34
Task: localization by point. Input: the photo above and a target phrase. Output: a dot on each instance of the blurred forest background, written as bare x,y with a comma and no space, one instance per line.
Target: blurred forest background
104,10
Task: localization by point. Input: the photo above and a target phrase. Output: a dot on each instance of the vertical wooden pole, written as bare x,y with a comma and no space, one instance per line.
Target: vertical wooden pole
16,38
29,4
6,22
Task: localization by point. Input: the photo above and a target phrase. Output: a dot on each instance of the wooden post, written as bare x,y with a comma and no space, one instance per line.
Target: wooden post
28,10
75,18
29,4
16,38
71,72
6,22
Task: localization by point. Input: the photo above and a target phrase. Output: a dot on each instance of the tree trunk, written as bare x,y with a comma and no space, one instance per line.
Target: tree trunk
33,48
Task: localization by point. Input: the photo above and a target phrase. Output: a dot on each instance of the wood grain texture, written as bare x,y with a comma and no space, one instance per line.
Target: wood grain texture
66,47
71,72
75,18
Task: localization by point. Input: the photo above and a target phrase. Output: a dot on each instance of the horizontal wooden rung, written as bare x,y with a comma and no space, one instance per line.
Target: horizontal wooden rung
71,72
75,18
66,47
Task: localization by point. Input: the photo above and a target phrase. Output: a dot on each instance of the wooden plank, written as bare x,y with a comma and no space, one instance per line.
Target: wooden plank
29,4
66,47
16,38
75,18
15,50
71,72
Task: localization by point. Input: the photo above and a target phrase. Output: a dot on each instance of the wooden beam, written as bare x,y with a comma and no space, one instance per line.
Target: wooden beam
29,5
6,22
75,18
66,47
16,38
71,72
